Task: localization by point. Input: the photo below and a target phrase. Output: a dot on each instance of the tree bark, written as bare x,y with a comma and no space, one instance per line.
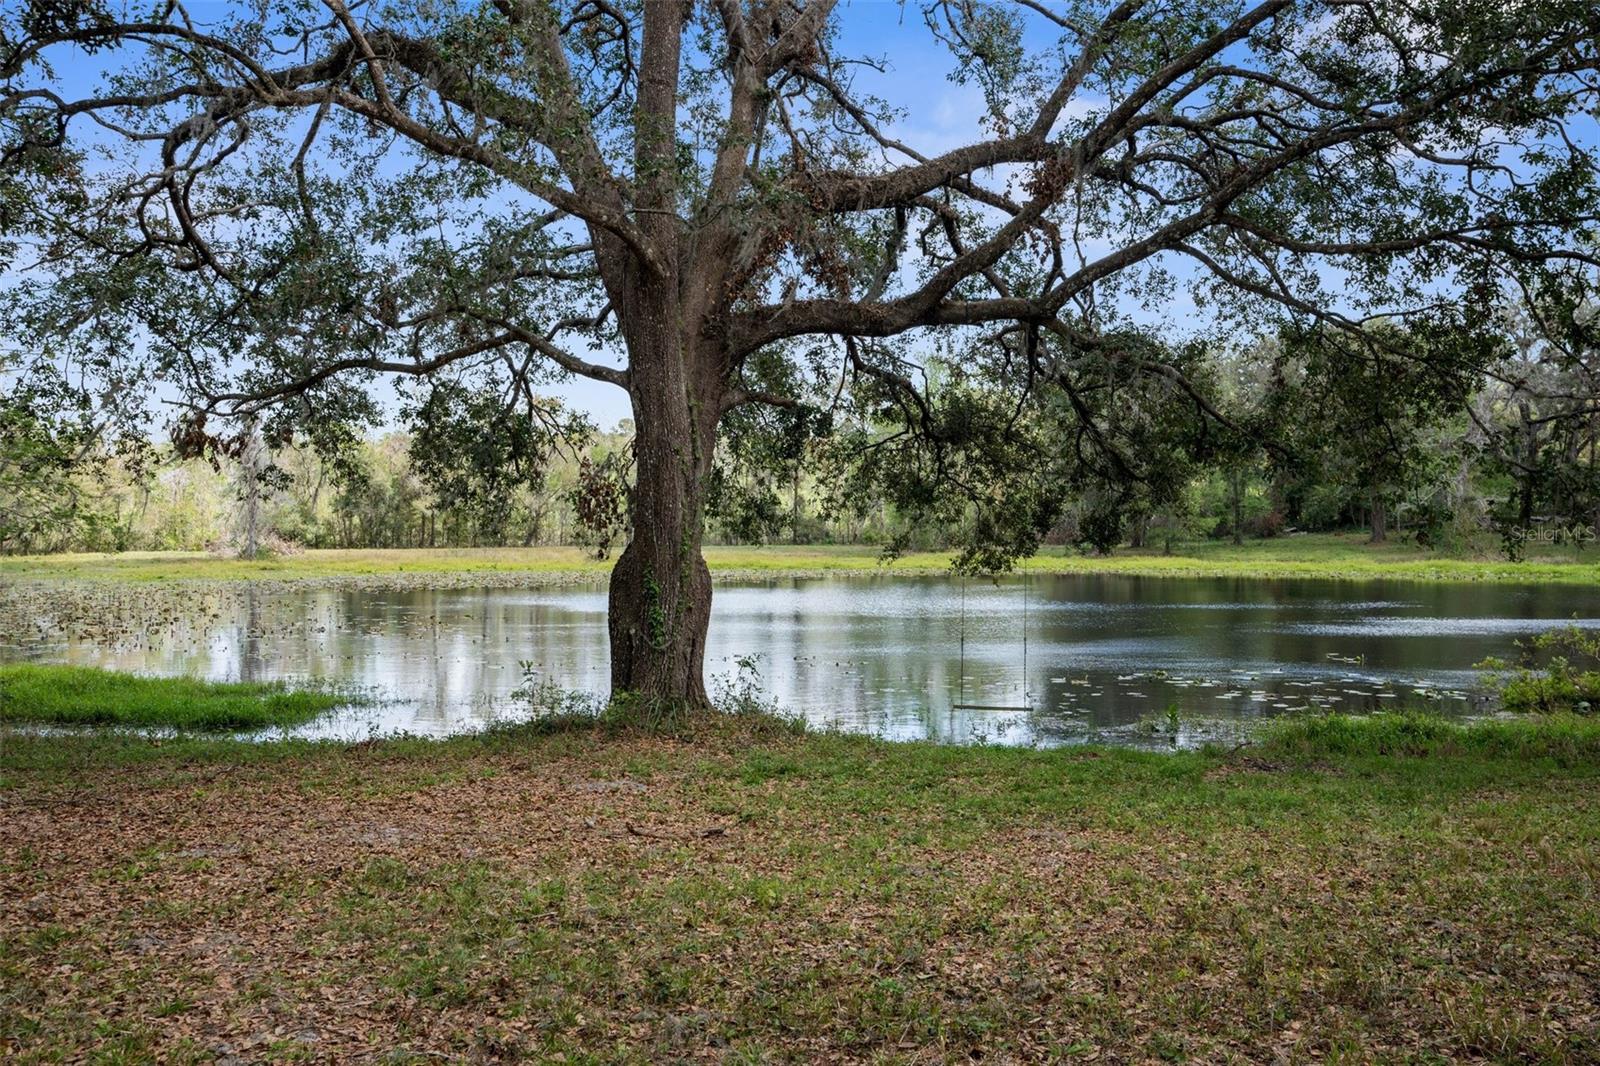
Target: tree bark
660,595
1380,520
794,509
1530,467
250,465
1236,499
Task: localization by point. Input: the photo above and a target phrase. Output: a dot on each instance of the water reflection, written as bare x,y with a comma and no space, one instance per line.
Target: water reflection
1076,656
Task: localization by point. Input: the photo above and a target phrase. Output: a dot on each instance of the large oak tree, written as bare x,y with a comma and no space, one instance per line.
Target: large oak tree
277,201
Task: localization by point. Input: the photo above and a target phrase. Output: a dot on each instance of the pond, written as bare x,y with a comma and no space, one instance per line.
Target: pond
1045,659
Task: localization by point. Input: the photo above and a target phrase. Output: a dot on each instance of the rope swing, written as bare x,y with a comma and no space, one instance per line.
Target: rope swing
962,704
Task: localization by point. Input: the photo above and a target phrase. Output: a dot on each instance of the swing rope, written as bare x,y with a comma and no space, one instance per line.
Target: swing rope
963,675
962,703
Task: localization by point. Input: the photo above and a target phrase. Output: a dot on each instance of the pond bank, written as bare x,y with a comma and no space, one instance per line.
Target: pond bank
1307,556
748,895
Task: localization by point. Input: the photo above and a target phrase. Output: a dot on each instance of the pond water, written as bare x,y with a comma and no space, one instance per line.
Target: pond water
1049,659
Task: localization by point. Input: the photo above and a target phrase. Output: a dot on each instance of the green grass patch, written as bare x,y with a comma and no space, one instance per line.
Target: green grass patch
80,695
1564,737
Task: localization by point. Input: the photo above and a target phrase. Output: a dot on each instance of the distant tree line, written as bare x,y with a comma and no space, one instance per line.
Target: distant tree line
1452,441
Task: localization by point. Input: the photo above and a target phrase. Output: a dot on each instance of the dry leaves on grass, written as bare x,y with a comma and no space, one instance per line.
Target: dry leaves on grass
645,900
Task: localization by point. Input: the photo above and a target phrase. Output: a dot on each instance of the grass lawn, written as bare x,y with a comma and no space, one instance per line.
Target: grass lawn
1393,890
79,695
1311,555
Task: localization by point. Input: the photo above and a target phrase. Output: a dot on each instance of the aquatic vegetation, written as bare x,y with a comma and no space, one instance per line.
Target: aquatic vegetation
551,707
1560,671
78,695
1168,723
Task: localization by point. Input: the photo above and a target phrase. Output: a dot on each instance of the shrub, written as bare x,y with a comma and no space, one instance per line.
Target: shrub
1567,680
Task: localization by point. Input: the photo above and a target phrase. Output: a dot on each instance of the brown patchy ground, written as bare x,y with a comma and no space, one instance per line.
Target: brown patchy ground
749,898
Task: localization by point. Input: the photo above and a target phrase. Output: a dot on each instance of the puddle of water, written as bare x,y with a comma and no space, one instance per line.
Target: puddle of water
897,657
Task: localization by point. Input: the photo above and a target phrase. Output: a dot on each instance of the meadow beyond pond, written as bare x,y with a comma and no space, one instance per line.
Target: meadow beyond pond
1333,556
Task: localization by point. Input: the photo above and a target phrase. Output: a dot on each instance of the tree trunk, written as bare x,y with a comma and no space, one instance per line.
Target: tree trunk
1278,496
1530,467
1236,492
660,598
1380,520
250,465
794,510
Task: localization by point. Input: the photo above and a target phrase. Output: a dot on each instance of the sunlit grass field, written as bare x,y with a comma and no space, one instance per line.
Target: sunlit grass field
1337,556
